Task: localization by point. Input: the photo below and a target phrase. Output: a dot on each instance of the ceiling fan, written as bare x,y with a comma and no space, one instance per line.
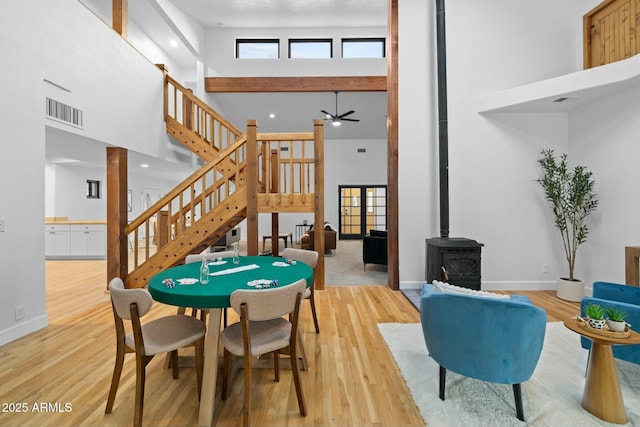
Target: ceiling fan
337,119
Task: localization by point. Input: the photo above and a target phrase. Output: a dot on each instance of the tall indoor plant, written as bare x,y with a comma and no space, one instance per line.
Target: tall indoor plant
572,198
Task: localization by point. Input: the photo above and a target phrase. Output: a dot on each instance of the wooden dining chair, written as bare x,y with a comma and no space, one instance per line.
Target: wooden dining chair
310,258
262,329
163,335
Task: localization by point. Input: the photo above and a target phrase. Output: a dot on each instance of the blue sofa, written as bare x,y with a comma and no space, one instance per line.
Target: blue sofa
626,298
495,340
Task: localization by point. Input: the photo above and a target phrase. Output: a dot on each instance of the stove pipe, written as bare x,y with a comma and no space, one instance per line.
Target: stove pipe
443,131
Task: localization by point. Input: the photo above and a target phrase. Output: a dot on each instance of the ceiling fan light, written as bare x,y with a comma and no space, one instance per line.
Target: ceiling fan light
335,122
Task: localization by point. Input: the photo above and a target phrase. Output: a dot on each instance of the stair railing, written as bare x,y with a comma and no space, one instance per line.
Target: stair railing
184,108
197,195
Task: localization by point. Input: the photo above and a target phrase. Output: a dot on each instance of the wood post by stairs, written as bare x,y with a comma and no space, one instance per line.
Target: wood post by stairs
117,239
318,148
252,188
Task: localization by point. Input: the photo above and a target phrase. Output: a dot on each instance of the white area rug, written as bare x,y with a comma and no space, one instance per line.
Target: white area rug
550,398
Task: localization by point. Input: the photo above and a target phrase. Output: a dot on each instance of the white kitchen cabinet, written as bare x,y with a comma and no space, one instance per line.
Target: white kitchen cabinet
75,241
57,241
87,240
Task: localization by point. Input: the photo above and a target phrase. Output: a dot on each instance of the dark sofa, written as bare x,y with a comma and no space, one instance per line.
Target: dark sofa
374,248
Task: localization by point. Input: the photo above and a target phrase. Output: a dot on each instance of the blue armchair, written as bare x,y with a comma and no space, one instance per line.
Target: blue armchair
626,298
495,340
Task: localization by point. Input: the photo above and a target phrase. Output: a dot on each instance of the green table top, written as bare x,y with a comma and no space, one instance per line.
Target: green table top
216,293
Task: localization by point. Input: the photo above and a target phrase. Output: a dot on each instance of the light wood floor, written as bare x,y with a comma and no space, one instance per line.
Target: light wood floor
353,380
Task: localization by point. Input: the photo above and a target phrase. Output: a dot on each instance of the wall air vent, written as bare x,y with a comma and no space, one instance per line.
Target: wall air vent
58,111
362,150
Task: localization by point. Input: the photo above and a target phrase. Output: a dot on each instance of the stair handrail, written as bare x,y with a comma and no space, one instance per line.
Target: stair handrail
207,191
202,120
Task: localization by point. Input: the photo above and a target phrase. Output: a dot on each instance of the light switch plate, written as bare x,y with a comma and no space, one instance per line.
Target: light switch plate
1,225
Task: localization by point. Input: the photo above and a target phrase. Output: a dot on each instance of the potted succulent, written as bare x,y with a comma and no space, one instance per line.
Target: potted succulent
595,316
615,319
572,199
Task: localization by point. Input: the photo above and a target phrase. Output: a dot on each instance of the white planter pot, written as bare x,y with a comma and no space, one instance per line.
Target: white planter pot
569,290
616,326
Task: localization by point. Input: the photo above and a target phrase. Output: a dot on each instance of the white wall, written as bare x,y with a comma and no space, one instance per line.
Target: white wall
120,93
139,39
112,85
71,193
22,171
491,45
417,133
604,137
345,166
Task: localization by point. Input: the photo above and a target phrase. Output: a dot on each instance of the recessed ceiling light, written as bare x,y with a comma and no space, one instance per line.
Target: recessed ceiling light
144,165
272,116
173,43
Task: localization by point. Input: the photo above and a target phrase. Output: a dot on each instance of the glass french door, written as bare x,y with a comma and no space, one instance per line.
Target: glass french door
362,208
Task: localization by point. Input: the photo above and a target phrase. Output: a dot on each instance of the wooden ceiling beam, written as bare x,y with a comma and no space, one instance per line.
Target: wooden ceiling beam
296,84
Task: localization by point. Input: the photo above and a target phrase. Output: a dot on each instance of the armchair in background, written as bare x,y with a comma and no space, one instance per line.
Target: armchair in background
374,248
330,238
627,299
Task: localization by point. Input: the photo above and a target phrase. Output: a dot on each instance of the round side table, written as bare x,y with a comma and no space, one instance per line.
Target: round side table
602,396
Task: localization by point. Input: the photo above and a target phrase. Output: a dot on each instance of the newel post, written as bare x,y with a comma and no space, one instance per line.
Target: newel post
275,188
252,187
117,239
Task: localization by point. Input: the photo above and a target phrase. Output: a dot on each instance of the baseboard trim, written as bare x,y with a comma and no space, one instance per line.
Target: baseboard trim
519,286
499,286
23,328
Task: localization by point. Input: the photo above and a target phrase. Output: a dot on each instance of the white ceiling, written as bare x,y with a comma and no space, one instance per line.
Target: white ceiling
294,112
285,13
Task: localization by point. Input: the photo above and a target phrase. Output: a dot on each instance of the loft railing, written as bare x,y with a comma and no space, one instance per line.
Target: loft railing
286,172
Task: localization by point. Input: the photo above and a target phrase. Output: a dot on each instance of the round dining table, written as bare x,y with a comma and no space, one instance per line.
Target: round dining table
180,286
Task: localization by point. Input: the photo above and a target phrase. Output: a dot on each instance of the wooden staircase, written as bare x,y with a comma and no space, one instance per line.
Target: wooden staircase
245,173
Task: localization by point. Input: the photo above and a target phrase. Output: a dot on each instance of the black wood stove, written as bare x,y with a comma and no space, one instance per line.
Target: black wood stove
455,260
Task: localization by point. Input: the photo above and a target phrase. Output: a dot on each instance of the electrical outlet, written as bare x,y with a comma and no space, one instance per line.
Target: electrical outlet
1,225
20,312
545,268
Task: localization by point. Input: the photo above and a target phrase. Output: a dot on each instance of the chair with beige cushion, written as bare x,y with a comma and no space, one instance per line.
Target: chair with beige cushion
163,335
311,259
262,329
